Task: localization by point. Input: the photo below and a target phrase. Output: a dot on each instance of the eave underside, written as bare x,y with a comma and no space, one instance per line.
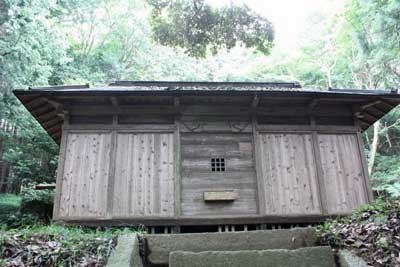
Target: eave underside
49,107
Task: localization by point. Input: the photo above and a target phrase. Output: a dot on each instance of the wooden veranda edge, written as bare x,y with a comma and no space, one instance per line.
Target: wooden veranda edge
190,221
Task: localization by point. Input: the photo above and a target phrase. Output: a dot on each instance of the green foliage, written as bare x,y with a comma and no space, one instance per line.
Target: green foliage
386,176
9,205
39,203
31,207
197,27
32,154
30,47
375,25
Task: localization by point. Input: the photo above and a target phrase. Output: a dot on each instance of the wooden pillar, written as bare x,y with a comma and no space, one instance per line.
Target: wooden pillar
257,160
318,163
111,175
60,168
177,158
364,163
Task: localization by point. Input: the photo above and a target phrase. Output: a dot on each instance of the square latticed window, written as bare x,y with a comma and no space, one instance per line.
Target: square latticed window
217,164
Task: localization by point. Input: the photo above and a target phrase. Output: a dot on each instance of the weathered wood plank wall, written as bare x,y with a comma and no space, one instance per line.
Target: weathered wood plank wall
342,172
160,166
239,176
85,175
289,170
144,175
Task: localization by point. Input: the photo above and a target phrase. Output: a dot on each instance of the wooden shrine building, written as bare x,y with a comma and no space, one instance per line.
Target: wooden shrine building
207,153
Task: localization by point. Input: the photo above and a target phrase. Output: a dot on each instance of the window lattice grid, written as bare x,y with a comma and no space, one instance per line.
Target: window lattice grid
217,164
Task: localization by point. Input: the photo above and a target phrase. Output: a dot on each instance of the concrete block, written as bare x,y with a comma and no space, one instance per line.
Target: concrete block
160,246
348,259
304,257
126,253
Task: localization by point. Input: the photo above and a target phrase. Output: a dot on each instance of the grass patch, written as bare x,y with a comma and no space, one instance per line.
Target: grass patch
9,205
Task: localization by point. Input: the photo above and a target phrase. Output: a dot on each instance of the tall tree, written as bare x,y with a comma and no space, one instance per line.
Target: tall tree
197,27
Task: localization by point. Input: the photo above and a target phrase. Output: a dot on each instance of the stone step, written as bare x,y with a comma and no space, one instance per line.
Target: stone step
159,247
303,257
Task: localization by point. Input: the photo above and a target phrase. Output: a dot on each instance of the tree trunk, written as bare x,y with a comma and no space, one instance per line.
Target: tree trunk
374,146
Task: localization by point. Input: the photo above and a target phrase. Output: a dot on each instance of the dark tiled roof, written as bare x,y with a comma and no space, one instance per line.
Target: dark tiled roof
40,101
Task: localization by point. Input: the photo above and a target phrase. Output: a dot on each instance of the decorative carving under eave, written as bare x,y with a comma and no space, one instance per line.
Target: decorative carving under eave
206,126
193,126
238,126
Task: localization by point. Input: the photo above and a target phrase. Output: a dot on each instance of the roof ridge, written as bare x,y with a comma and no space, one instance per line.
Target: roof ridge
204,83
60,87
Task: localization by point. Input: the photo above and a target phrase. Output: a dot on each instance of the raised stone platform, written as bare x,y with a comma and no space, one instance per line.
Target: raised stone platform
303,257
160,246
278,248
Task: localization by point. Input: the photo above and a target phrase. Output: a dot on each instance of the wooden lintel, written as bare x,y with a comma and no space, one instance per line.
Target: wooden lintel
121,109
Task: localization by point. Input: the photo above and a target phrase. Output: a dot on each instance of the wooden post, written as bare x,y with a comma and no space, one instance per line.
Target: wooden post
111,175
367,178
257,160
60,168
177,158
318,163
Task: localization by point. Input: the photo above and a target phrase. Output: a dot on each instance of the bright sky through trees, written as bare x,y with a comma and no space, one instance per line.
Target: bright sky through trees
289,17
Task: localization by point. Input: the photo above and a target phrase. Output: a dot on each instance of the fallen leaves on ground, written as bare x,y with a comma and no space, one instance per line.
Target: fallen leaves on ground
48,250
373,233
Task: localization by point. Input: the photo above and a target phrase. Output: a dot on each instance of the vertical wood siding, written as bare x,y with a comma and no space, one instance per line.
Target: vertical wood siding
289,172
144,175
85,175
197,149
342,172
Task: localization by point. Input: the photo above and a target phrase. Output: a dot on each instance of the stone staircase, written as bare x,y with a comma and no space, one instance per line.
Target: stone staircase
269,248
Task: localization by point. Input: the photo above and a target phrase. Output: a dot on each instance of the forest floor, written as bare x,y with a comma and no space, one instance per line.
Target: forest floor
372,232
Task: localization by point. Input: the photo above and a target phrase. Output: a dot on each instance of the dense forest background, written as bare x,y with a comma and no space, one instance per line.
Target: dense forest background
48,42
